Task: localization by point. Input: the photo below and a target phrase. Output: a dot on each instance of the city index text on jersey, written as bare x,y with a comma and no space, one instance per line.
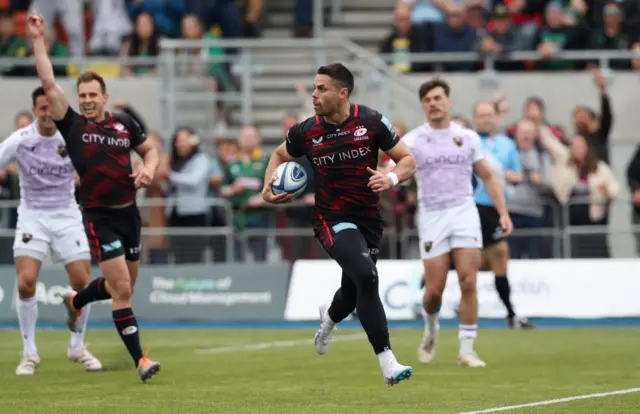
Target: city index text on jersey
106,140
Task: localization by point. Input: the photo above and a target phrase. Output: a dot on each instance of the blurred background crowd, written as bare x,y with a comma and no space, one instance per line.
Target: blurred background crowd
559,164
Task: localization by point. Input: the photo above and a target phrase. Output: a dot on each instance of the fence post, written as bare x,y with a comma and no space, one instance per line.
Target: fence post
247,86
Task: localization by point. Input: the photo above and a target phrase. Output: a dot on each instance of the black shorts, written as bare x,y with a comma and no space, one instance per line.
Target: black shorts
325,229
490,223
113,232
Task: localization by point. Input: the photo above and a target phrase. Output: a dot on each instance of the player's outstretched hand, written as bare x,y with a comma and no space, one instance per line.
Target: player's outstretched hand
35,24
378,181
142,178
506,224
270,197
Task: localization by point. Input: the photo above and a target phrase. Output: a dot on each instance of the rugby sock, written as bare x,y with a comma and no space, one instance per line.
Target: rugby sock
467,335
77,338
96,290
127,326
27,316
432,326
387,360
504,291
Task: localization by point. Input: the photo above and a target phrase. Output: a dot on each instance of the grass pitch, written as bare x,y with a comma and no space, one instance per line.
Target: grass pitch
278,371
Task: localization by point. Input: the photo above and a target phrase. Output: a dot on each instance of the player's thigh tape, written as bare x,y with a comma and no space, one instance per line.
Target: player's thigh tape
343,226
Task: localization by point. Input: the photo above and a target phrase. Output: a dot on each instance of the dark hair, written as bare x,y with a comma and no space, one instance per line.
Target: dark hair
339,74
590,163
87,77
39,91
434,83
154,41
178,162
591,112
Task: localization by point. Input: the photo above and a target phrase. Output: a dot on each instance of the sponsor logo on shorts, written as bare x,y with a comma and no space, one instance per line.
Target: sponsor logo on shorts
129,330
26,238
115,245
498,233
427,246
457,141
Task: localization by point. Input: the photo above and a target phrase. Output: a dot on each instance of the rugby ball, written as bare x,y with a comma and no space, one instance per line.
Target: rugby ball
290,178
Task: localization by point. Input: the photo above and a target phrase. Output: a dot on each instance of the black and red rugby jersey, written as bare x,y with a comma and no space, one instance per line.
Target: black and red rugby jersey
101,154
340,155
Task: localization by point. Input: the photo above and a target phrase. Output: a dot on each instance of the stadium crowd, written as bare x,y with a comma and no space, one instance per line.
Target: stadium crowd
558,164
497,28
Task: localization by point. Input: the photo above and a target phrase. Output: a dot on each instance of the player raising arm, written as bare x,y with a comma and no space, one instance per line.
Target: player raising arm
342,143
99,144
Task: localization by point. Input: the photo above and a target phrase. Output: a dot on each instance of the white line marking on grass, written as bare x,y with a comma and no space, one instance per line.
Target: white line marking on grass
556,401
276,344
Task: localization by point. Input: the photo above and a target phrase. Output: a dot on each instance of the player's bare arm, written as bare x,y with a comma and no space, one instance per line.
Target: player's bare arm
404,169
279,156
496,192
55,93
143,177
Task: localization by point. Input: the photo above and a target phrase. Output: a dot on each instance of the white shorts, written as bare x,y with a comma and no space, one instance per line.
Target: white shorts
56,233
444,230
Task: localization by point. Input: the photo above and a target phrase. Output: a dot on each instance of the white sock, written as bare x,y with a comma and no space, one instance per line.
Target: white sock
387,360
27,316
467,335
327,319
77,338
432,326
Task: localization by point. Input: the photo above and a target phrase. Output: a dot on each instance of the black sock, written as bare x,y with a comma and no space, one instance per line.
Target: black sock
504,291
96,290
127,326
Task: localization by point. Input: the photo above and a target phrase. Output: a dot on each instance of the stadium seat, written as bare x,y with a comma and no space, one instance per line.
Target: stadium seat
106,70
4,5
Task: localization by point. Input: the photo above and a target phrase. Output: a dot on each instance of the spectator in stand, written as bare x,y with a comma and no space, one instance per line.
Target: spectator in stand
633,180
252,11
56,50
303,18
22,119
154,217
226,14
534,110
525,202
577,172
404,40
455,36
166,14
587,123
110,25
476,15
11,45
433,11
501,38
144,42
556,35
218,214
527,15
243,187
187,178
612,35
71,13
